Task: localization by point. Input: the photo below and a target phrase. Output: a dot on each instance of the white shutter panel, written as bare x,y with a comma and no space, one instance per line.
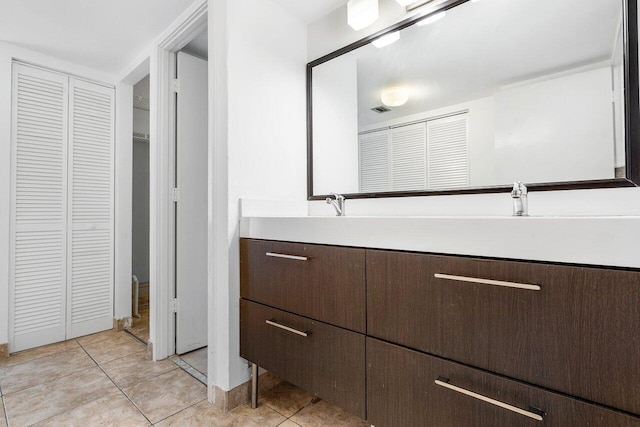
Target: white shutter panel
39,209
447,152
374,161
90,264
408,158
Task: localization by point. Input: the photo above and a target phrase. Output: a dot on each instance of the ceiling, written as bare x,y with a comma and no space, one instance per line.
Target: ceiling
310,10
479,48
104,35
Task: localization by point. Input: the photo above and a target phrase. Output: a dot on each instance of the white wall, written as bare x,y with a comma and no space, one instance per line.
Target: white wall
8,52
555,130
335,128
331,33
256,64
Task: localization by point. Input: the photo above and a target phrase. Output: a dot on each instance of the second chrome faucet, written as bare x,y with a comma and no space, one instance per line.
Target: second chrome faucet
337,201
519,194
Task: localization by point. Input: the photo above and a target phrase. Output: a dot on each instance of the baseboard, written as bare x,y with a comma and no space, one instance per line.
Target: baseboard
149,350
120,325
229,400
4,351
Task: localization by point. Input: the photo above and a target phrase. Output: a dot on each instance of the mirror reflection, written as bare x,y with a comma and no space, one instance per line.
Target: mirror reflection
487,93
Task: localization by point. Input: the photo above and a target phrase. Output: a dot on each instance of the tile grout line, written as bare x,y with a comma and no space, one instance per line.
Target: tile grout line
180,411
4,408
116,385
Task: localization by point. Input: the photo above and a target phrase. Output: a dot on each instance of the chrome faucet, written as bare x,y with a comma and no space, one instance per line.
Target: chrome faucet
519,195
337,202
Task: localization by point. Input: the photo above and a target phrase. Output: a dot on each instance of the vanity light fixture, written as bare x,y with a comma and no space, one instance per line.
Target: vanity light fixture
395,96
386,40
431,19
362,13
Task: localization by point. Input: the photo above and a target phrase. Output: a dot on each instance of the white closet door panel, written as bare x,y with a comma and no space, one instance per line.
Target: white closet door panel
448,154
409,157
374,161
90,249
37,288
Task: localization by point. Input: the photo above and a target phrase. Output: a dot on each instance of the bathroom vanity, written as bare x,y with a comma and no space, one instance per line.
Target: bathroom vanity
418,339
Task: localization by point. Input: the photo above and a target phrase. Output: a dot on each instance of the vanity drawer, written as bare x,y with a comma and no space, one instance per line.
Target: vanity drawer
577,334
328,361
402,392
326,283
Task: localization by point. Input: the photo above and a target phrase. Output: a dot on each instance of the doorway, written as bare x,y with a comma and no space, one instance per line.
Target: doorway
191,198
140,212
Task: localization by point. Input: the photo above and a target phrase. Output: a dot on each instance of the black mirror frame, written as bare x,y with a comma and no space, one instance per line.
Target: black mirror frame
632,115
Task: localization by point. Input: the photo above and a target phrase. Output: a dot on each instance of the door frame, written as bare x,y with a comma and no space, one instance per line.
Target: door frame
162,172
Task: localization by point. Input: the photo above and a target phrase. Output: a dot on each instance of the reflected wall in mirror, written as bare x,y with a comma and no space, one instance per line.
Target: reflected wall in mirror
480,96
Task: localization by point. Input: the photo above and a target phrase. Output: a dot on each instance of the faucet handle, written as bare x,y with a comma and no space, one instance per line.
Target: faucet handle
519,189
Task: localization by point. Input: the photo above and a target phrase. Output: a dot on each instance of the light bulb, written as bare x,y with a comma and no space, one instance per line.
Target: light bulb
395,96
386,40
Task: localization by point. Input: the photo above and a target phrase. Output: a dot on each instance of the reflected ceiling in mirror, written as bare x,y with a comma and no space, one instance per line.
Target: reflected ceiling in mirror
489,93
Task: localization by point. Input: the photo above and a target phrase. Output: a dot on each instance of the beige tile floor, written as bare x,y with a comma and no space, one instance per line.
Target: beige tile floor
106,380
198,359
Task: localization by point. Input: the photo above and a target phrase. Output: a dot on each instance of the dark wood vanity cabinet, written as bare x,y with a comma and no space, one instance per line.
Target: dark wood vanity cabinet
402,391
326,283
501,337
322,359
579,333
303,317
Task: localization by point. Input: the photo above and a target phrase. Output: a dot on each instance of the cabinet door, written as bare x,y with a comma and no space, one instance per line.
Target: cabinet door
322,359
37,283
326,283
90,249
406,388
577,333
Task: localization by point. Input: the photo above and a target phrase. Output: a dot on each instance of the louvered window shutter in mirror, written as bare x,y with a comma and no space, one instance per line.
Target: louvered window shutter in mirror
447,152
408,158
374,161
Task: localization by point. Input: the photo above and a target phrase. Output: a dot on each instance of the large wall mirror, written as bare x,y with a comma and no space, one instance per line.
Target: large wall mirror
470,96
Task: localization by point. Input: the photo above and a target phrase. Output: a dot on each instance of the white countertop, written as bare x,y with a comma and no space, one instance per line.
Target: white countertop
597,240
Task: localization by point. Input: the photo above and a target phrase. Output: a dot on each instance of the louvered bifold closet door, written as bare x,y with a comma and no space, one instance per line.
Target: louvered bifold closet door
409,157
90,249
37,288
374,161
448,153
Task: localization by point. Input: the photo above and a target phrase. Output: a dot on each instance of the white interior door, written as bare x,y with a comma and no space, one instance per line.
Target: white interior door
37,284
192,210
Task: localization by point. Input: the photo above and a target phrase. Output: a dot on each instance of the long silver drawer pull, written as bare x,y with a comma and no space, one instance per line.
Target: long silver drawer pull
512,408
526,286
288,329
297,258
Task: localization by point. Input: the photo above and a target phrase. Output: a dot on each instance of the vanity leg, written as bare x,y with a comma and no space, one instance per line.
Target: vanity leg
254,386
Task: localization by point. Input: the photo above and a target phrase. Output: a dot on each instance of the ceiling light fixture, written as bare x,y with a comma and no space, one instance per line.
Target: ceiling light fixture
395,96
386,40
431,19
362,13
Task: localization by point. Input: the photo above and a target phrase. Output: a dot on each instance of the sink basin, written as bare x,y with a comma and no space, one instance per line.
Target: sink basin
596,240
